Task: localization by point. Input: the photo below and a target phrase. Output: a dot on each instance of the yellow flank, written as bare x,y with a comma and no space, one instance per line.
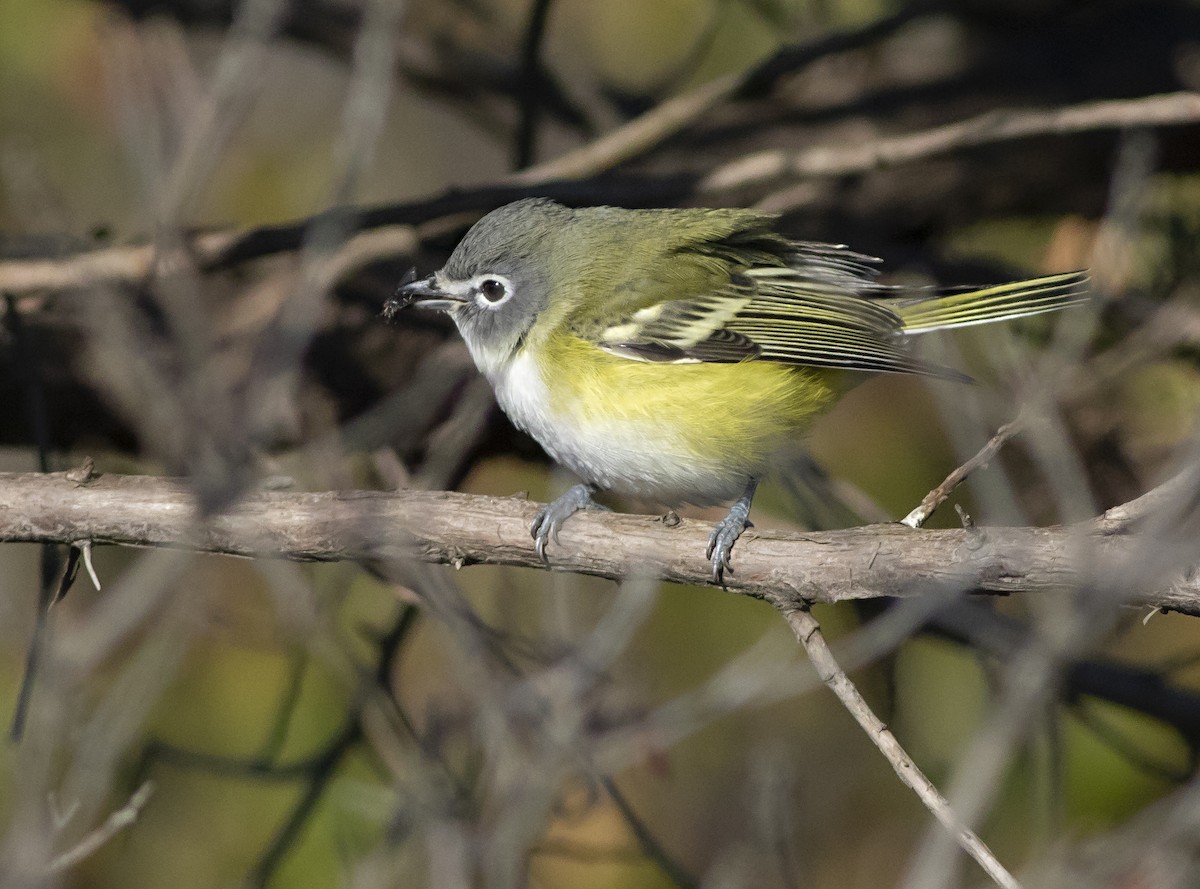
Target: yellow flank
736,416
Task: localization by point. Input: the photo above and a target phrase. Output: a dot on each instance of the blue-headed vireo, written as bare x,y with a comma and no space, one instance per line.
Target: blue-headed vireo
671,354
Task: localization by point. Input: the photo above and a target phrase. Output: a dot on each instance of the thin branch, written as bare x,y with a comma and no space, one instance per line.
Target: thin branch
646,839
47,596
531,74
227,248
1002,638
935,498
808,633
132,264
457,70
672,116
106,265
1157,500
316,783
29,370
461,529
116,822
638,136
329,760
316,770
563,180
85,551
1129,747
824,161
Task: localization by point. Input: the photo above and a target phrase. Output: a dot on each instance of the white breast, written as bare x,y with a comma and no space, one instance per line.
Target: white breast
644,459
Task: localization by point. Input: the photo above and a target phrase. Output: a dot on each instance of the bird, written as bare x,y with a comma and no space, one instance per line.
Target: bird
672,354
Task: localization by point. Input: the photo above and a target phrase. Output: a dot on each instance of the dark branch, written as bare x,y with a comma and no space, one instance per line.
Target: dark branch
531,77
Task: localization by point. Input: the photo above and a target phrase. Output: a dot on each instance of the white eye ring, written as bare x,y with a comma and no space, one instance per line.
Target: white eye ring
491,291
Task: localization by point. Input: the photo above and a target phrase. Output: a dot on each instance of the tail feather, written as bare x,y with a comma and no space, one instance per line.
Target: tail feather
1016,300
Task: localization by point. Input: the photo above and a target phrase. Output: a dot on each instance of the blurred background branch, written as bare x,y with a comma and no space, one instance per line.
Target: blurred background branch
215,251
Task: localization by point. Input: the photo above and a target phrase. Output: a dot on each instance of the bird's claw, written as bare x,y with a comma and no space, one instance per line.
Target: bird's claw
726,533
549,519
720,545
545,528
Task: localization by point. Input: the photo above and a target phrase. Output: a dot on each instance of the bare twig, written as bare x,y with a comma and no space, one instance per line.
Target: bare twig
636,137
85,549
48,595
935,498
316,770
460,529
1164,497
647,841
113,824
229,247
986,129
808,633
670,117
135,264
531,75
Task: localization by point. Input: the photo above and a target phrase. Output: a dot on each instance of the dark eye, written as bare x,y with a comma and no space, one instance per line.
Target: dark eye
493,291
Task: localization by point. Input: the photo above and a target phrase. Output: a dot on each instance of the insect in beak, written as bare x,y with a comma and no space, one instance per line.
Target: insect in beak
425,293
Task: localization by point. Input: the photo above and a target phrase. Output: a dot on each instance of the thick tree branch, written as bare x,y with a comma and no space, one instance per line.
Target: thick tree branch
461,529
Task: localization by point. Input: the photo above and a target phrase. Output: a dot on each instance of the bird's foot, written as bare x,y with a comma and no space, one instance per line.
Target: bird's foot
550,518
726,533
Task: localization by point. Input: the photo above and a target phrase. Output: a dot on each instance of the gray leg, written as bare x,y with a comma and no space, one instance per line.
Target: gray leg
728,530
551,516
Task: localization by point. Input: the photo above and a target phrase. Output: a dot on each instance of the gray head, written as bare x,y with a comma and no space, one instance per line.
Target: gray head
496,282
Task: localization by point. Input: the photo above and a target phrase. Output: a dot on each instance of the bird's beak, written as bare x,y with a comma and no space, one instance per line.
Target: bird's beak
425,293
